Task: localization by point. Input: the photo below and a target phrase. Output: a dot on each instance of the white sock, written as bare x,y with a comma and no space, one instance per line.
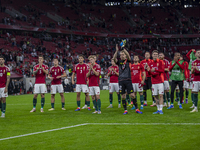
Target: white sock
193,105
145,102
158,107
168,103
141,105
178,102
161,107
195,108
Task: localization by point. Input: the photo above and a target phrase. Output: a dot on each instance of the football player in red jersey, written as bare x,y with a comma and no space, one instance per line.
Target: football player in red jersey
55,74
196,81
186,81
40,71
138,77
80,70
166,79
113,73
148,84
156,69
4,82
85,106
94,90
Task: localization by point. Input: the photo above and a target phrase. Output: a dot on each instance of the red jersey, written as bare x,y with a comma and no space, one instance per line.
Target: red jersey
40,75
157,76
144,62
196,73
166,74
113,76
93,79
4,71
136,72
55,72
81,71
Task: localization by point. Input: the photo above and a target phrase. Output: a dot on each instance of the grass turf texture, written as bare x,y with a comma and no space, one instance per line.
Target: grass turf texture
20,121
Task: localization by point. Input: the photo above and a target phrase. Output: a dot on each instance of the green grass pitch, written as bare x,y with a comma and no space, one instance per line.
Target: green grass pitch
20,121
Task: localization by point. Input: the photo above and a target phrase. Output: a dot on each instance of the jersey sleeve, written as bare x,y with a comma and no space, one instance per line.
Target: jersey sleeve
34,68
109,69
8,71
171,66
50,71
62,69
46,67
142,68
74,69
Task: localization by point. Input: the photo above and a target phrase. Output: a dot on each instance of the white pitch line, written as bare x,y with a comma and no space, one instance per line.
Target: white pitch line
148,124
34,133
84,124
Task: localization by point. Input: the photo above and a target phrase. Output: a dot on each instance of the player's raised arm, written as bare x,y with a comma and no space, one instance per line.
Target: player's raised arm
117,73
96,72
115,55
45,70
88,74
35,71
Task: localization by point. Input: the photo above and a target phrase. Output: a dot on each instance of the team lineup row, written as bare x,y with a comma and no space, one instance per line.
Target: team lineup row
125,79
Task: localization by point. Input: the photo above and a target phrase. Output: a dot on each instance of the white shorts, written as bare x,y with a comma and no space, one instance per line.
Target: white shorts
136,87
2,94
166,85
82,87
113,87
40,89
157,89
186,85
94,90
57,89
191,86
196,86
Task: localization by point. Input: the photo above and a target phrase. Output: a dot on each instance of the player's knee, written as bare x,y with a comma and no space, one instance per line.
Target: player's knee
78,94
97,96
35,96
93,97
123,96
52,95
132,95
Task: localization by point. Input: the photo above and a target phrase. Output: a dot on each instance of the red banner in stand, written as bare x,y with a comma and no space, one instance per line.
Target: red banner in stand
62,31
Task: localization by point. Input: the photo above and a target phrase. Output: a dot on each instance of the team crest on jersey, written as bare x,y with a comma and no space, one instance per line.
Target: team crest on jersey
138,67
52,70
157,64
58,70
83,68
78,68
4,71
195,63
37,67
